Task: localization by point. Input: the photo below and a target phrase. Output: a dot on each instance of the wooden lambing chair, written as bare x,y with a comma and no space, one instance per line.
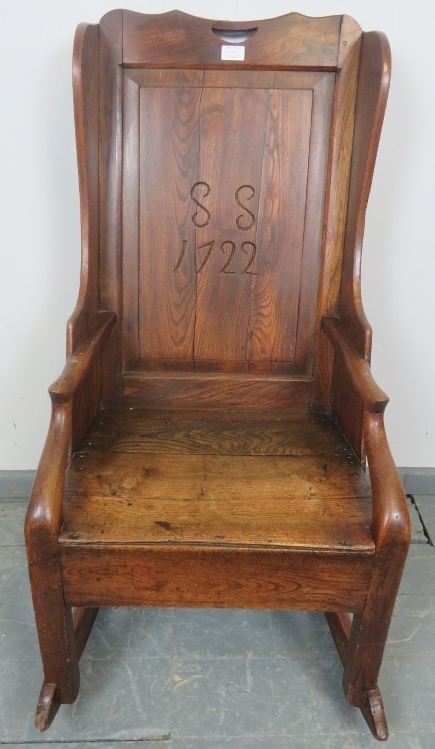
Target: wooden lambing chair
210,429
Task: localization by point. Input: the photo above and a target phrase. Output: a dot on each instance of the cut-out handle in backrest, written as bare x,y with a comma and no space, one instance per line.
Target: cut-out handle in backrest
234,36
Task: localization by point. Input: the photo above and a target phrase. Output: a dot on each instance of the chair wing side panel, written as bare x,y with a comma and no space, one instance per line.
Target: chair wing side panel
373,87
85,92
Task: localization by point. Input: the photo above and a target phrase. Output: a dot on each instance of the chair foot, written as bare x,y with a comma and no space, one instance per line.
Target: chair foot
372,706
374,714
48,705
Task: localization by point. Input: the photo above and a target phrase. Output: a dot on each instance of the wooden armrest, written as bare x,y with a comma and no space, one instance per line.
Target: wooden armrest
79,362
390,522
374,399
44,514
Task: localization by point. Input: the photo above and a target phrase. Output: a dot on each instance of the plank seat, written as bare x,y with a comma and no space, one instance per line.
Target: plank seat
213,479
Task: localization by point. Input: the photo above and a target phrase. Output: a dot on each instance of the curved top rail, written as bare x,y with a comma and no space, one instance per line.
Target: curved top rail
292,41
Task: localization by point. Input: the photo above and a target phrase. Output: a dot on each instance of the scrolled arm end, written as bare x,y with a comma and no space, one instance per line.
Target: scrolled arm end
44,513
374,399
79,362
390,523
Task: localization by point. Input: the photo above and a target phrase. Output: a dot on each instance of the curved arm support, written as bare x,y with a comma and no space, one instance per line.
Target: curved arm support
361,380
79,362
390,522
44,514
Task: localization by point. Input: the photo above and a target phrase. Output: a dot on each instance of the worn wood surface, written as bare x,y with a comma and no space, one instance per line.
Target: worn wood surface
311,260
217,432
340,625
225,250
47,707
291,41
354,391
169,136
373,86
169,478
335,206
109,207
215,391
43,521
216,477
217,578
81,360
83,621
391,529
233,173
276,287
85,91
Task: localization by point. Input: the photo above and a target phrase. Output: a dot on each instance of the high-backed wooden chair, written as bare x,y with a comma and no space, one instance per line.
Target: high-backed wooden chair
210,429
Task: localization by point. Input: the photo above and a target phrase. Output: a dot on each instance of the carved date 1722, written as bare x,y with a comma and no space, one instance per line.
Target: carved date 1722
202,217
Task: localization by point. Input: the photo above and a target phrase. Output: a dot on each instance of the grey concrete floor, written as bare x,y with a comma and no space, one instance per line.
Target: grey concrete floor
213,679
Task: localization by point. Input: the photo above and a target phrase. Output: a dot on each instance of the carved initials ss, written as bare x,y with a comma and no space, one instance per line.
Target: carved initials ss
243,222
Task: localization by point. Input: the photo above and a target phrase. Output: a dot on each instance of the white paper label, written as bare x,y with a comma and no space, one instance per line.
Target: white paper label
233,52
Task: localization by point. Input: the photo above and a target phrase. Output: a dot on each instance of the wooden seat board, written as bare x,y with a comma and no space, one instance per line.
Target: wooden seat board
343,523
216,433
168,477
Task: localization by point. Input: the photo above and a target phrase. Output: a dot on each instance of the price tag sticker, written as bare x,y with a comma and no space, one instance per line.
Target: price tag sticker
232,52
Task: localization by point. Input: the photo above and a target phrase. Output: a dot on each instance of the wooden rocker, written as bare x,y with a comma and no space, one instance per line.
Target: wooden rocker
210,430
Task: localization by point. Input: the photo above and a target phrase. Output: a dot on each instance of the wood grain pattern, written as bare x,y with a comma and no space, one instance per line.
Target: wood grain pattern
275,293
217,477
48,705
214,432
84,319
175,38
354,391
85,91
130,222
361,380
190,391
234,578
264,520
373,86
392,532
232,167
110,160
80,361
336,199
109,187
43,521
83,621
350,35
340,625
169,144
223,226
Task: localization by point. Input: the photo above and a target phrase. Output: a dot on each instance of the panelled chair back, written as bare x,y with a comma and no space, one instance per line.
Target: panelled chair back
210,430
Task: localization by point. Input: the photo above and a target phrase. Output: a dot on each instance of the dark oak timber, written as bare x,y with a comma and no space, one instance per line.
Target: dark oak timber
209,431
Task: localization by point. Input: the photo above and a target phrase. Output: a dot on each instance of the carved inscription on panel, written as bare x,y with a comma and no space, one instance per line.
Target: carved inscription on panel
202,218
